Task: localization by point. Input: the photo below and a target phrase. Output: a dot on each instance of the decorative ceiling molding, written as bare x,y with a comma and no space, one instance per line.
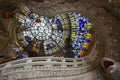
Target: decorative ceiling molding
45,4
38,0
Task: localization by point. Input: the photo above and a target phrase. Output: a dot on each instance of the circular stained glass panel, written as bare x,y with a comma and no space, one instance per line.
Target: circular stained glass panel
50,30
65,34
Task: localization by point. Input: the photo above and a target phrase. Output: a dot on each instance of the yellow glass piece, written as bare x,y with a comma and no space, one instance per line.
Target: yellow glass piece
81,53
69,13
89,35
17,43
72,19
73,39
85,45
74,26
20,17
25,10
21,49
13,57
74,33
89,25
25,52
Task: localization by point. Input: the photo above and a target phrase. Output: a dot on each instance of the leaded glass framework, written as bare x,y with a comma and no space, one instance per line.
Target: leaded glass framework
53,32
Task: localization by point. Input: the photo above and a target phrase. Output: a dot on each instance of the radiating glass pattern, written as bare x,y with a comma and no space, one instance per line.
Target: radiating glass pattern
56,36
80,33
51,31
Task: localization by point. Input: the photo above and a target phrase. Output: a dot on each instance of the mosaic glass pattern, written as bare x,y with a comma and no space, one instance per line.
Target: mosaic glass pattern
52,31
80,33
20,52
57,36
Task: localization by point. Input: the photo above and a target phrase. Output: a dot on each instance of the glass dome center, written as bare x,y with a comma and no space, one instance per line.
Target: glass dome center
42,30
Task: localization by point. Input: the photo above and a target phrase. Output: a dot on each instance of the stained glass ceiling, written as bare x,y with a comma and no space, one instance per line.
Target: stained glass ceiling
52,36
49,30
42,28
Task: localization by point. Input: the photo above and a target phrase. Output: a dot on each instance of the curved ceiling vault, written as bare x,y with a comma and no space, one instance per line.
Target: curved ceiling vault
82,31
99,16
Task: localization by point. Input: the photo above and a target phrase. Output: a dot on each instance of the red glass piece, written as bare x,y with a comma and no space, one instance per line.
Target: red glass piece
37,20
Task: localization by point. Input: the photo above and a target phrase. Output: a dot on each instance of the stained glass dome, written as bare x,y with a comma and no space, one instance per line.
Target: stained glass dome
60,35
49,30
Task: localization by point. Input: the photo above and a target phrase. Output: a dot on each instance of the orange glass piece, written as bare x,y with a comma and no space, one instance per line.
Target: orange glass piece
37,20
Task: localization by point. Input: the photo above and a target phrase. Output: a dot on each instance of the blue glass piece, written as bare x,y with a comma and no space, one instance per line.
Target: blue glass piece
86,22
77,41
87,40
81,25
49,47
80,47
74,23
75,46
83,38
73,36
29,39
18,57
75,30
26,24
16,50
31,16
75,53
24,56
71,14
81,17
78,56
60,35
58,21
